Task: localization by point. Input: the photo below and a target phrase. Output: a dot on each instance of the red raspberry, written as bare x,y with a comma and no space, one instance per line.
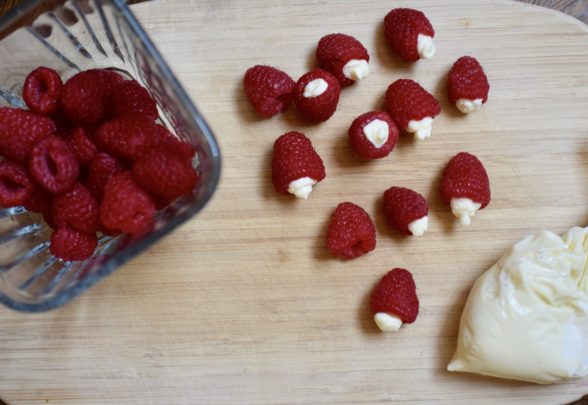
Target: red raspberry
318,107
39,201
129,137
465,177
402,27
467,81
407,101
165,175
20,130
125,206
71,245
165,139
129,97
41,90
100,170
351,232
81,145
334,51
16,186
402,207
395,294
83,98
76,208
54,165
383,134
293,159
269,89
110,78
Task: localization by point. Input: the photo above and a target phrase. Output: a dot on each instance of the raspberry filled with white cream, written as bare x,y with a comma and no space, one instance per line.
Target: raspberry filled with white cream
394,300
373,135
465,186
316,95
406,210
343,56
296,166
410,34
468,85
412,107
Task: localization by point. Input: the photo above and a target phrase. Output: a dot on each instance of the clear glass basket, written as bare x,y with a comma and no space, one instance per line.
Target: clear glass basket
69,37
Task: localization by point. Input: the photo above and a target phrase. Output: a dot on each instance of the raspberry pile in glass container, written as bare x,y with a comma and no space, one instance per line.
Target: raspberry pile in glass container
90,157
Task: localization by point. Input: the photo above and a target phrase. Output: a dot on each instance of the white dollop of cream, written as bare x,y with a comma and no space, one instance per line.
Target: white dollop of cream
356,69
425,46
418,227
377,132
315,88
387,322
422,128
468,106
465,209
526,318
302,187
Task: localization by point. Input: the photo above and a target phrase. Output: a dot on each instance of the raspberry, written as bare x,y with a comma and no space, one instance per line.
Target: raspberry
129,137
344,57
269,89
129,97
20,130
100,170
410,34
76,208
16,186
406,210
164,139
39,201
53,165
317,94
296,166
71,245
465,186
81,145
373,135
468,85
412,107
351,232
125,206
41,90
165,175
394,297
110,78
83,98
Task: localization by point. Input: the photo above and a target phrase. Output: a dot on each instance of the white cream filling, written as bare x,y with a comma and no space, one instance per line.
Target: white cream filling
418,227
526,318
464,209
377,132
315,88
425,46
422,128
302,187
387,322
356,69
468,106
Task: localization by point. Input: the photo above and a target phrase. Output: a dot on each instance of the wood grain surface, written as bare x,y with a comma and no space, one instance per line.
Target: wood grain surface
243,305
576,8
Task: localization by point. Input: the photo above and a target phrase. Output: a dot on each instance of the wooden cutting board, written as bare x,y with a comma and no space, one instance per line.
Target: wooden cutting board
243,304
